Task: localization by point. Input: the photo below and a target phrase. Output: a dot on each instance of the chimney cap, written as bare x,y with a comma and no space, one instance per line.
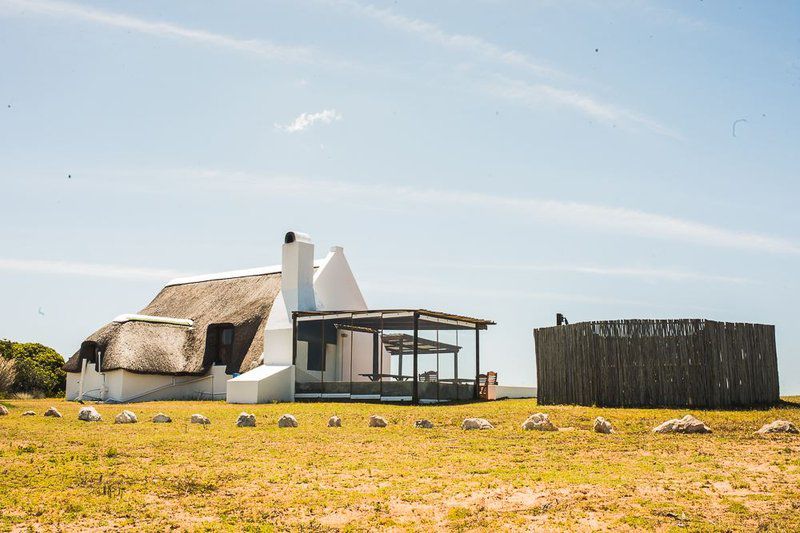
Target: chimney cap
296,236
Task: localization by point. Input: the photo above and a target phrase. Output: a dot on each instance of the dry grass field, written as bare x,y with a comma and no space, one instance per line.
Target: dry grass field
66,474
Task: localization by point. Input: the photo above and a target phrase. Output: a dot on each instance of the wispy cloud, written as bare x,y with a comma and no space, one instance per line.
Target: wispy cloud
531,95
94,270
589,217
642,273
433,33
290,54
306,120
435,287
536,95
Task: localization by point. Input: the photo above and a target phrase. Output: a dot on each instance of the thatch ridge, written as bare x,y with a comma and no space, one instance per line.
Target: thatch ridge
152,348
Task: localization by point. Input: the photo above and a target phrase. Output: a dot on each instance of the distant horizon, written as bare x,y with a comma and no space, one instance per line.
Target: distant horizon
499,159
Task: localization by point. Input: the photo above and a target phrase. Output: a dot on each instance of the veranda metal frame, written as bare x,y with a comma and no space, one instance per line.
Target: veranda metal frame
376,322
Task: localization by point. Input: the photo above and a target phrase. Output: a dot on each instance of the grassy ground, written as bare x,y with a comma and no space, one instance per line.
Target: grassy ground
63,473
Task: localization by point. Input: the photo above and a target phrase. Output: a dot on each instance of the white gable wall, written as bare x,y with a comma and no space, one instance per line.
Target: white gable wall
335,288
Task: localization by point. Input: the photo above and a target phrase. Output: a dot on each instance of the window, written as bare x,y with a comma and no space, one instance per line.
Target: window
219,344
92,353
316,360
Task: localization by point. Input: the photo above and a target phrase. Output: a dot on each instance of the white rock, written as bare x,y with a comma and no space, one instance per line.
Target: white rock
199,419
376,421
476,423
246,420
52,412
3,410
29,413
89,414
287,421
126,417
601,425
334,422
161,418
687,424
778,426
539,422
423,424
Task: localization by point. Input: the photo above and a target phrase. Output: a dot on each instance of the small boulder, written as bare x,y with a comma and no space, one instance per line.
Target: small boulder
376,421
89,414
687,424
246,420
476,423
52,412
423,424
778,426
539,422
287,421
334,422
601,425
29,413
126,417
3,410
161,418
199,419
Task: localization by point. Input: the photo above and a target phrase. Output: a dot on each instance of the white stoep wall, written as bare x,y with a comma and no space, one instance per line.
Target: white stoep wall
263,384
124,386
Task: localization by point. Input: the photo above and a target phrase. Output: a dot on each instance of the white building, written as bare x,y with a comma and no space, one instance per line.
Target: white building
300,329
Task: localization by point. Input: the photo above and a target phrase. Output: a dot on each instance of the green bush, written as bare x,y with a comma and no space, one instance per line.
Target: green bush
38,367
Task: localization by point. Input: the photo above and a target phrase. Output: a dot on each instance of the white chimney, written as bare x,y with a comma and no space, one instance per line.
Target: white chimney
297,276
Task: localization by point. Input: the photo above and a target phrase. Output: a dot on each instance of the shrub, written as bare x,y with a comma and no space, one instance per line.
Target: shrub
38,368
8,374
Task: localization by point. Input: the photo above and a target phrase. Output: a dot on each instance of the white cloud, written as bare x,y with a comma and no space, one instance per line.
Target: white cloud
306,120
291,54
94,270
591,217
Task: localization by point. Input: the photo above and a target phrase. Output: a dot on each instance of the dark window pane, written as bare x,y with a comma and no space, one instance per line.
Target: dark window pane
315,357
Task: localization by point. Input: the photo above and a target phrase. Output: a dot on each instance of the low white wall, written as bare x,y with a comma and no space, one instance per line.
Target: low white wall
506,391
124,386
96,385
265,383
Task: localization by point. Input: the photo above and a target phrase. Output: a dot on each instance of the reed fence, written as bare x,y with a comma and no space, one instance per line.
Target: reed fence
639,363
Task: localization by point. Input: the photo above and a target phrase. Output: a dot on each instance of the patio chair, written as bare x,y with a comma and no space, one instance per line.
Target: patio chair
431,376
484,380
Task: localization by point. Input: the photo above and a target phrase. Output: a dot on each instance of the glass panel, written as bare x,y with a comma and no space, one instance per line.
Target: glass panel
429,348
449,362
397,361
466,365
227,336
309,357
339,345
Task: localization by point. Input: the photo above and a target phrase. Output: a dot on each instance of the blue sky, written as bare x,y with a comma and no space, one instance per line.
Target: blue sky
501,159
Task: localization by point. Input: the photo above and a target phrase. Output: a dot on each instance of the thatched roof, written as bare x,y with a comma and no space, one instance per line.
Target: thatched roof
166,348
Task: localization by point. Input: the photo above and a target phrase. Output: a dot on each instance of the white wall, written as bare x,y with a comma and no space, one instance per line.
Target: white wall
263,384
497,392
361,344
124,386
335,288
